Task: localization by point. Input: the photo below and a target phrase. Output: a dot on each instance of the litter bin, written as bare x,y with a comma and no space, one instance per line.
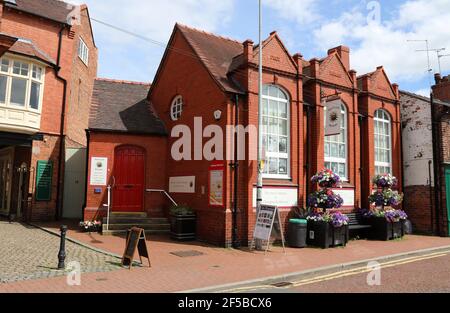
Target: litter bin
297,233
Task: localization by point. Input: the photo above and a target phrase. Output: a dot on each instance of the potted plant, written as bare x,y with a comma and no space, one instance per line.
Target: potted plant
91,226
326,228
183,223
387,221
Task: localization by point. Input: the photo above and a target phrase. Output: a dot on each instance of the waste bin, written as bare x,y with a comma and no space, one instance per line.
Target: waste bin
297,233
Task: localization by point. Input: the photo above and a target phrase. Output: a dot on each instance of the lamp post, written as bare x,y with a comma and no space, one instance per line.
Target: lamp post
259,186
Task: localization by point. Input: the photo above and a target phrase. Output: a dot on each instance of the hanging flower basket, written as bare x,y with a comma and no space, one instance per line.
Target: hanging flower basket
327,179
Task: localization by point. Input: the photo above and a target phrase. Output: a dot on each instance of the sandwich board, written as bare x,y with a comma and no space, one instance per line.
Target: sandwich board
268,225
135,239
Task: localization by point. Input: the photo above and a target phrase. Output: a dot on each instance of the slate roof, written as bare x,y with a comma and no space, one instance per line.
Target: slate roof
28,48
120,106
216,53
51,9
423,98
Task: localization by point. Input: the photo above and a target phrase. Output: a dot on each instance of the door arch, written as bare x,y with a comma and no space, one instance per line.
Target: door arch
128,179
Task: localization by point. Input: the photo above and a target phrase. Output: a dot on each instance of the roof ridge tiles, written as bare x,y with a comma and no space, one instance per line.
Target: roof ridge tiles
118,81
210,33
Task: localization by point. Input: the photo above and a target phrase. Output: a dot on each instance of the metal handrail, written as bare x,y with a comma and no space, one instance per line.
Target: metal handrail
164,192
108,206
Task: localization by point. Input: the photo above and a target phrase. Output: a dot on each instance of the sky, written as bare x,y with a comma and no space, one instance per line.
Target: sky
377,32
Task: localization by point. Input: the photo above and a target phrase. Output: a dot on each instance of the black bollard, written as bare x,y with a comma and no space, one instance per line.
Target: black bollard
62,249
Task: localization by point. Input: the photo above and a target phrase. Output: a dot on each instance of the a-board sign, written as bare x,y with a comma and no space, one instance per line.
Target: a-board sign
268,223
135,239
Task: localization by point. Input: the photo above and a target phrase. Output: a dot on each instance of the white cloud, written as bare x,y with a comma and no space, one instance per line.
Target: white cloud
153,19
385,43
301,12
423,92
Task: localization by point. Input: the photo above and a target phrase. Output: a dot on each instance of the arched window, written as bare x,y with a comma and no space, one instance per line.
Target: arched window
336,149
383,142
176,108
275,132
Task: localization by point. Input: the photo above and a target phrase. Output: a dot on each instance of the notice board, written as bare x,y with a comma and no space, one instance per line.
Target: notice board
44,175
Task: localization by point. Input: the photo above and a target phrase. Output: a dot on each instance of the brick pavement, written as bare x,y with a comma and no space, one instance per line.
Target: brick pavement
217,266
30,253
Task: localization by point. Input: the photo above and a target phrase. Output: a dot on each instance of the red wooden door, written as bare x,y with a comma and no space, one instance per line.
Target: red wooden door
129,171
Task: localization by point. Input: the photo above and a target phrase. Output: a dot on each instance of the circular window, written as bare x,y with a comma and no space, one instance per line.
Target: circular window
176,108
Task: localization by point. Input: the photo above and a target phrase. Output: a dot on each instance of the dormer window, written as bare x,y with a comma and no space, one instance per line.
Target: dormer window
176,108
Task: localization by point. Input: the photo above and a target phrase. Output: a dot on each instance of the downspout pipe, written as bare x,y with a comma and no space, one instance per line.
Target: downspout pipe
57,68
436,165
235,238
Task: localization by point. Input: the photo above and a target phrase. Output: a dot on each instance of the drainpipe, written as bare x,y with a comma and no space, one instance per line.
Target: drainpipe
361,118
57,68
430,179
88,137
235,240
308,149
436,164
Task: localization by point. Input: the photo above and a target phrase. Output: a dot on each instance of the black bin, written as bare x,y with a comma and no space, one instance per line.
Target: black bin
297,233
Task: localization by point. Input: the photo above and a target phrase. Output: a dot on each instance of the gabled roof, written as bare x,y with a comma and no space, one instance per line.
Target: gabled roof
54,10
215,52
122,106
28,48
373,76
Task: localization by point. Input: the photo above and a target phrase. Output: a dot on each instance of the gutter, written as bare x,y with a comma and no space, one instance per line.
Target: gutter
57,68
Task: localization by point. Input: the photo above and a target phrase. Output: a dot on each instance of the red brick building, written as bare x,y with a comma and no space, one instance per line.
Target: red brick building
48,66
216,78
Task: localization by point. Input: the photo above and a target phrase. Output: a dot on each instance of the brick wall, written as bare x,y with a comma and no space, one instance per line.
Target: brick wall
104,145
82,84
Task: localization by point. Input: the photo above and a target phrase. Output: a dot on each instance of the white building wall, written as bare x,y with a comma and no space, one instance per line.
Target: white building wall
417,140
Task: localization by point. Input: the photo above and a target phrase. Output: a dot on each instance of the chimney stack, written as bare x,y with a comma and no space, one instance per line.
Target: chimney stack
248,50
344,54
298,59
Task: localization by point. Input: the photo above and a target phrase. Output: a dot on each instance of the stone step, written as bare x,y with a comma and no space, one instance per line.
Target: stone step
135,220
126,215
145,226
123,232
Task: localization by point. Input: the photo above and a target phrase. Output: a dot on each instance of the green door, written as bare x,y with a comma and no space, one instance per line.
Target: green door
447,190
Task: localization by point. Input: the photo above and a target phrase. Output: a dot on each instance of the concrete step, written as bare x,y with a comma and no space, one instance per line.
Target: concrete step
126,215
147,232
139,225
135,220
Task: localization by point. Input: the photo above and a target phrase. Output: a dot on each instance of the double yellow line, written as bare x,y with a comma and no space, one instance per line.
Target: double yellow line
341,274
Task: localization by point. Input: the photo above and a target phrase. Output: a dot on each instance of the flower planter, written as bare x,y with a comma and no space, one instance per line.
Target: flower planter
324,235
384,230
183,227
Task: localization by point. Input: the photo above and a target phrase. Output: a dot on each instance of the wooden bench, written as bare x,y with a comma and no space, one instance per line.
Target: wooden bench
357,226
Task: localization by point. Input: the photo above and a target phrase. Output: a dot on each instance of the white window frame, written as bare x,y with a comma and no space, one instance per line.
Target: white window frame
388,121
176,108
278,155
345,130
29,79
83,51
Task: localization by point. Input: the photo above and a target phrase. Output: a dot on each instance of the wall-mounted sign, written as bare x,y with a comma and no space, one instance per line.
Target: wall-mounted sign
99,171
44,175
182,184
216,184
280,197
333,118
348,195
